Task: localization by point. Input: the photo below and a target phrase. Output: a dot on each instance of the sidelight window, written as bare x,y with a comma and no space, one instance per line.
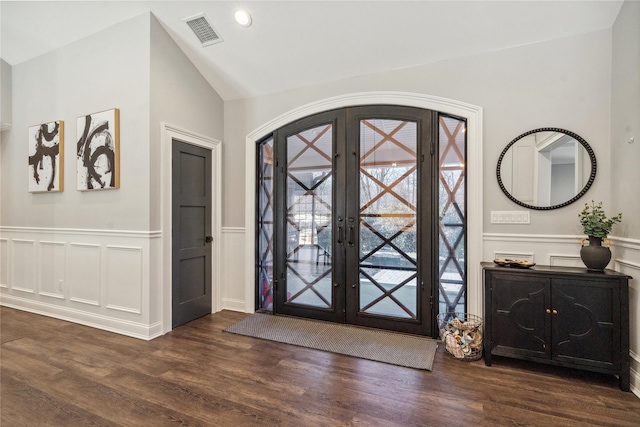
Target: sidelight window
264,231
452,212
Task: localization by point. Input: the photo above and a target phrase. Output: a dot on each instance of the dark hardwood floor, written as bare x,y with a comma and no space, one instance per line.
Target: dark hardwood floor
55,373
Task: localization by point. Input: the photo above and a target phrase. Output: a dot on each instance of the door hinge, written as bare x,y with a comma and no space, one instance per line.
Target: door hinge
433,148
275,284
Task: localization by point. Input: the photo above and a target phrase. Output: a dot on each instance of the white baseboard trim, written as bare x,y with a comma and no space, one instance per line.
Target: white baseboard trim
123,327
233,304
635,373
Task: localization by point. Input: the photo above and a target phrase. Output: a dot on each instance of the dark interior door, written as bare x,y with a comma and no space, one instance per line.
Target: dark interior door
191,232
356,233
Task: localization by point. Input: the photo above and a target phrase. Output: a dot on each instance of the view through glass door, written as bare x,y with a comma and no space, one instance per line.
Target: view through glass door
349,224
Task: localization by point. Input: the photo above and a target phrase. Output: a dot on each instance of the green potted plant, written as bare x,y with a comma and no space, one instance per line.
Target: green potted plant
597,227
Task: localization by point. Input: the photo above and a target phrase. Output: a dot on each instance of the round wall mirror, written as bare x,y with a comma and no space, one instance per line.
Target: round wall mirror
546,168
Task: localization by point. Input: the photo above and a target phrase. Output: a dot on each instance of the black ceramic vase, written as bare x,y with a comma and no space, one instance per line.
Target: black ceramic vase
595,256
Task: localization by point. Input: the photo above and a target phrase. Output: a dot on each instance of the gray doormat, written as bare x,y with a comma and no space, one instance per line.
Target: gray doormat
372,344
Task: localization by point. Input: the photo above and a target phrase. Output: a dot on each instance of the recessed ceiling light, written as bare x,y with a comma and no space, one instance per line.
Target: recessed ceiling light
243,18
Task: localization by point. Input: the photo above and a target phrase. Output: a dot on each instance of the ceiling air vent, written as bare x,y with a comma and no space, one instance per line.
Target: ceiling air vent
203,30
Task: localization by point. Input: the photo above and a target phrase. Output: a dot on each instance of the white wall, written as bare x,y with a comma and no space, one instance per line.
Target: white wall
180,96
81,256
561,83
97,257
625,118
5,95
625,124
88,76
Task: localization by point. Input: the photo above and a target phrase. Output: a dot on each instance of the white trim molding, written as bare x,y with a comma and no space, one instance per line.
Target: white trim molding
473,115
233,270
98,278
167,134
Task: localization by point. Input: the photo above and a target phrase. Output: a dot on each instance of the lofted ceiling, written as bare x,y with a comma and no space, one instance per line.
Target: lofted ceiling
301,43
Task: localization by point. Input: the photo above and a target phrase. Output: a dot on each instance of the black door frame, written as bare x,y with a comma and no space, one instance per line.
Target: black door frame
336,314
343,254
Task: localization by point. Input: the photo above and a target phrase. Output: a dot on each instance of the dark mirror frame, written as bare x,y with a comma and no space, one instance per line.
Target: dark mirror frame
578,138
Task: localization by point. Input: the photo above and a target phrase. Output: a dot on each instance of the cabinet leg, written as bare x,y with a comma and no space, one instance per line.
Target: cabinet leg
625,379
487,357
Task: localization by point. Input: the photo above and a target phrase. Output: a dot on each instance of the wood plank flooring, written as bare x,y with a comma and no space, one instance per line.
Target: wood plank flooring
55,373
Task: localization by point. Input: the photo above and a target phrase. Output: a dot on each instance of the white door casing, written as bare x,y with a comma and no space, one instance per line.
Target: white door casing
167,134
473,115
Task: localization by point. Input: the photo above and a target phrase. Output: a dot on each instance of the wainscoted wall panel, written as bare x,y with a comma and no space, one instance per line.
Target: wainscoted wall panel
560,260
233,290
4,263
99,278
23,264
628,261
541,249
84,273
124,279
52,269
514,255
565,251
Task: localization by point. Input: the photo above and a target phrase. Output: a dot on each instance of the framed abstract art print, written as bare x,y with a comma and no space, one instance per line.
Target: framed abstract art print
46,157
98,151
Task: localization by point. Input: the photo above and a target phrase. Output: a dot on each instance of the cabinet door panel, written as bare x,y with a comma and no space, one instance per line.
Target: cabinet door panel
583,329
520,323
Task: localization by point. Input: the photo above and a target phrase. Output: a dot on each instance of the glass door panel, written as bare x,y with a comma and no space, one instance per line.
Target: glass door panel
265,228
309,190
388,215
355,229
452,214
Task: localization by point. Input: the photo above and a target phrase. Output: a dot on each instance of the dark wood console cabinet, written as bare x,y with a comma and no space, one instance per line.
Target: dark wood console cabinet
563,316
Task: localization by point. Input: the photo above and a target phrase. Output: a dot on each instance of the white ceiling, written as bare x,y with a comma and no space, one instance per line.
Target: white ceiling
300,43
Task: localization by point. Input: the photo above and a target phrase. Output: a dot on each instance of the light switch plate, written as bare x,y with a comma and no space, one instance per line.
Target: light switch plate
510,217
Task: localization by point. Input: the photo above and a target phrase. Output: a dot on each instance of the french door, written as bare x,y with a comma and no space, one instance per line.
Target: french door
355,220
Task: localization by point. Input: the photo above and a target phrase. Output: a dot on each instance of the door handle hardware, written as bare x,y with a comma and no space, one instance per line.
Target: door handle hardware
555,311
208,239
340,234
548,311
354,286
336,285
350,235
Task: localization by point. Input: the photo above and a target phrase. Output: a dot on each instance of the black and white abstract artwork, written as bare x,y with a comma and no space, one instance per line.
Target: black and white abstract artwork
98,151
46,154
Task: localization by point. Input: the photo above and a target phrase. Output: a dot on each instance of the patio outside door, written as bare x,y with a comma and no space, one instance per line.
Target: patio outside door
354,218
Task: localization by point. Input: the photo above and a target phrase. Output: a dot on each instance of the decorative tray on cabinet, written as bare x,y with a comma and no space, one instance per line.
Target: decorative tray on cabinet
516,263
